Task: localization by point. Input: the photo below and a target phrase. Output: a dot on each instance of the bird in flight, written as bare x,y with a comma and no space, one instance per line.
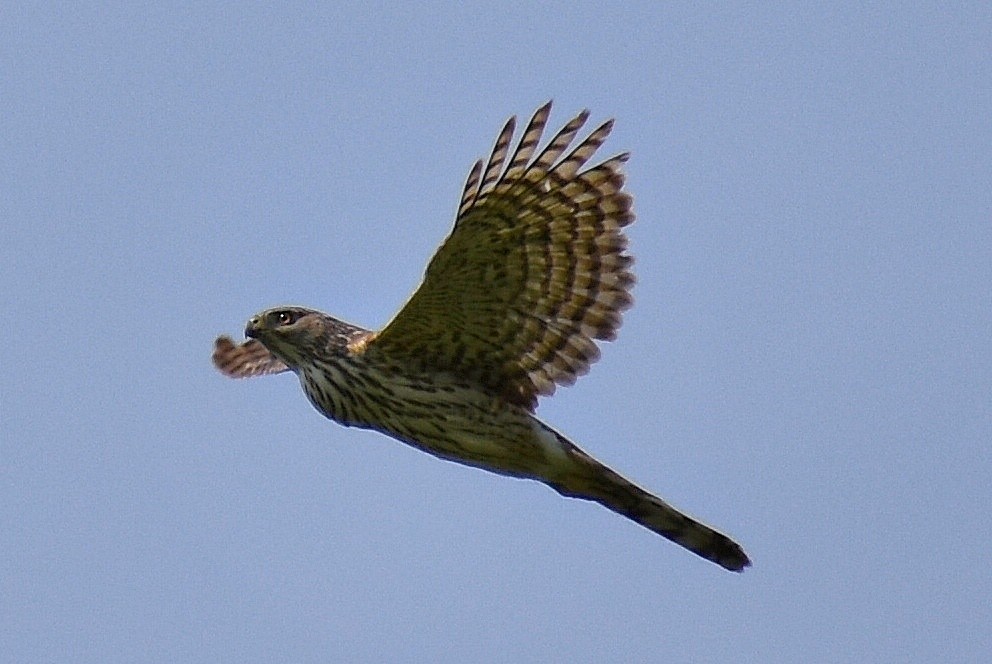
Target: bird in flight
533,274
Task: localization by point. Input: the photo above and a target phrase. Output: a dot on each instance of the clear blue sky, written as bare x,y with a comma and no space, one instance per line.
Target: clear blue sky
808,365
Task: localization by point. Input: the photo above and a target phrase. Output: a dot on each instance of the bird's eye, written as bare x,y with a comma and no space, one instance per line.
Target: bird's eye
285,317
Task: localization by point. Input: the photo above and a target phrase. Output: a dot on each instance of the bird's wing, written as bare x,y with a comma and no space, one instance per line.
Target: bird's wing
248,359
533,272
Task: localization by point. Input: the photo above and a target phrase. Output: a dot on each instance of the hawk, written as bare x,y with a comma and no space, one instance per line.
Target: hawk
533,274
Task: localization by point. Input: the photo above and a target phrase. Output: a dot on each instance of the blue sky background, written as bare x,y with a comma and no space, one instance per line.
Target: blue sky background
808,366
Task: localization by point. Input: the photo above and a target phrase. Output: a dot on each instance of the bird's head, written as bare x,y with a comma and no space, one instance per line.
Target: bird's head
290,333
297,335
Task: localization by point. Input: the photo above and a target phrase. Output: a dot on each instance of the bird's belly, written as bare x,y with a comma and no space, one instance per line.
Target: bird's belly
442,416
499,440
464,425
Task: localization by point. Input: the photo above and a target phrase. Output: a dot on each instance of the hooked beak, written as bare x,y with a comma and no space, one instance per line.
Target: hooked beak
253,327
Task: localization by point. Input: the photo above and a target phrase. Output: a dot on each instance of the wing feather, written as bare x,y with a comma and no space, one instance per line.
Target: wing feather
533,273
245,360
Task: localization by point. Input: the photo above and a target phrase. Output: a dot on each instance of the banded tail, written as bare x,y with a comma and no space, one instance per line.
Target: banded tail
598,483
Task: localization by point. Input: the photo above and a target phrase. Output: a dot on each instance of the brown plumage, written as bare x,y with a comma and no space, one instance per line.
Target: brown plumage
534,272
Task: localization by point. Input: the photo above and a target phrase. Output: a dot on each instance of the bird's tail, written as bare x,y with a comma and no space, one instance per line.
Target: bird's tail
597,482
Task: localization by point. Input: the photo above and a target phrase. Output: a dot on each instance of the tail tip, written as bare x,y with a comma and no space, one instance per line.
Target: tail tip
732,558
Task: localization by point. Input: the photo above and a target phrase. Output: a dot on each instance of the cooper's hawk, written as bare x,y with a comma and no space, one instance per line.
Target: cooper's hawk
533,273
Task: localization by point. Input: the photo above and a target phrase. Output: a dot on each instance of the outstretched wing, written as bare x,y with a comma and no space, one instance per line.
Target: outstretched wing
248,359
533,272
